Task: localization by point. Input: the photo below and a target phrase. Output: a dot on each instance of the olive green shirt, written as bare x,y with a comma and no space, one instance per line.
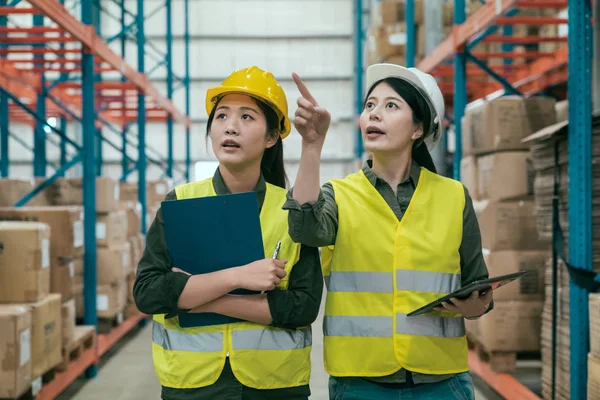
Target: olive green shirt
316,224
157,290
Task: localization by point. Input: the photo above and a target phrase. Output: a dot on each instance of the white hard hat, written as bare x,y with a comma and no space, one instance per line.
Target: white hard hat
425,83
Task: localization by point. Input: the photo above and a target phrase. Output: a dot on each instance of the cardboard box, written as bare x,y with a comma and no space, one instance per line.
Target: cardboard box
130,284
595,324
111,229
24,261
110,299
505,175
512,326
15,351
76,265
66,221
502,123
134,216
13,190
528,287
46,337
68,322
156,191
510,225
69,192
390,40
114,263
469,176
61,277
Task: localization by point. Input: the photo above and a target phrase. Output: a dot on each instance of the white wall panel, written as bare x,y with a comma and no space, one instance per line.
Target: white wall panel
249,18
216,58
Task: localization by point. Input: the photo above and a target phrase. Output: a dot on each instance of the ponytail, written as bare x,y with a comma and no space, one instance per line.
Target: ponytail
422,157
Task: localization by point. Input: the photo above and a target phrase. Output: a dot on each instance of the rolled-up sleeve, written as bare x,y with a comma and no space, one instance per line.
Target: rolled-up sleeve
314,223
298,306
157,289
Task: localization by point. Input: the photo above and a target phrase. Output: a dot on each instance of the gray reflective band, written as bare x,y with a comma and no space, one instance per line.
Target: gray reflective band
266,339
426,281
429,325
424,325
358,326
374,282
170,339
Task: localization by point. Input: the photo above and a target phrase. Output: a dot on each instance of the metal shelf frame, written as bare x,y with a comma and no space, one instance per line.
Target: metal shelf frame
28,96
570,65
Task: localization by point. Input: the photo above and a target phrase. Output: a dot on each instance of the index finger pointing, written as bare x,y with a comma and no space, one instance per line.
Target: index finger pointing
303,89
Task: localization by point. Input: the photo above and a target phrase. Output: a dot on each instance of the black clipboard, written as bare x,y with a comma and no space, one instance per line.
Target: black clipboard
482,286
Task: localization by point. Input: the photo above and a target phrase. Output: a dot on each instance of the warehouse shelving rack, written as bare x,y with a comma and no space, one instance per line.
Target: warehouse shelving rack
569,65
27,96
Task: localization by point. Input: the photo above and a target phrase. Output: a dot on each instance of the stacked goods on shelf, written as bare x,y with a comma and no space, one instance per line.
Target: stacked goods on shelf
543,145
594,356
30,316
156,190
497,172
13,190
136,244
387,34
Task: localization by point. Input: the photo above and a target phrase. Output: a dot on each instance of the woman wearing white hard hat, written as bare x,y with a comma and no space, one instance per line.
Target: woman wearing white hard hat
395,236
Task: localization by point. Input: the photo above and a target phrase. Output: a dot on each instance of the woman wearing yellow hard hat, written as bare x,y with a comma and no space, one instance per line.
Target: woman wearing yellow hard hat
395,236
268,355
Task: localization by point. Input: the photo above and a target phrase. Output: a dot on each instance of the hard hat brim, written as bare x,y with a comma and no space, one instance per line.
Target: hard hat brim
215,93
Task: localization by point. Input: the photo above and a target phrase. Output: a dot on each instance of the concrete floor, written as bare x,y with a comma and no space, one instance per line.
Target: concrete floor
127,373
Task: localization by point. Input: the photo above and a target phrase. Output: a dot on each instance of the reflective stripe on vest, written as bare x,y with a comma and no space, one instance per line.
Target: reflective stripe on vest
422,325
381,282
267,339
171,339
256,339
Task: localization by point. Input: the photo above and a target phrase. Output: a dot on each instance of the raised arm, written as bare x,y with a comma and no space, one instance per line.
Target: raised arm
312,122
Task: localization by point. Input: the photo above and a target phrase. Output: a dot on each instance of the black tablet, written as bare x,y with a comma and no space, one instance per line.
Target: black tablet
482,286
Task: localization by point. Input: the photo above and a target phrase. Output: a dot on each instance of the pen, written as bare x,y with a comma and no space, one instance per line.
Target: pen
275,254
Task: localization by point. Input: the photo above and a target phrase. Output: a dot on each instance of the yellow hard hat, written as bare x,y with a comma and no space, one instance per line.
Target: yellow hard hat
257,83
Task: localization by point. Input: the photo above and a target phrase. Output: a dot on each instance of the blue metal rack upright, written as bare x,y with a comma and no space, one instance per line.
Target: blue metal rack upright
580,186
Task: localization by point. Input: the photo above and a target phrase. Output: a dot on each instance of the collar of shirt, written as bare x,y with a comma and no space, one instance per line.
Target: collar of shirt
413,177
221,187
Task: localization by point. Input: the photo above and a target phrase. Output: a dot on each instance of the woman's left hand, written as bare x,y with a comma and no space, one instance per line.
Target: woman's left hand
473,306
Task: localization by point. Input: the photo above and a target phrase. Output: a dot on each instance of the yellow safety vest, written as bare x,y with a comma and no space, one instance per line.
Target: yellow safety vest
380,269
261,357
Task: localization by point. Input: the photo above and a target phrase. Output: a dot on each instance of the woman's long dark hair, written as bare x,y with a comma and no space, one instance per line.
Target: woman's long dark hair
271,166
421,116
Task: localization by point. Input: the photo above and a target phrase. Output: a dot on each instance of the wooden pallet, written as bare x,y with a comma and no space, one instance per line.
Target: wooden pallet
83,338
501,361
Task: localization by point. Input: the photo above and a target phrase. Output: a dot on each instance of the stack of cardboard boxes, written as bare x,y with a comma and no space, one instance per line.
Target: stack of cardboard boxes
113,250
156,190
30,316
549,152
497,171
387,34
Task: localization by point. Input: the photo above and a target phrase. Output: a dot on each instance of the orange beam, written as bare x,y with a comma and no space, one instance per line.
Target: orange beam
62,380
44,50
33,29
38,39
505,385
531,21
543,4
483,18
524,39
527,54
86,35
18,10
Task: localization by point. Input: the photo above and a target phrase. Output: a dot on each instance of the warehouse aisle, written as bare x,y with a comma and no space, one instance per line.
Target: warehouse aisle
127,373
